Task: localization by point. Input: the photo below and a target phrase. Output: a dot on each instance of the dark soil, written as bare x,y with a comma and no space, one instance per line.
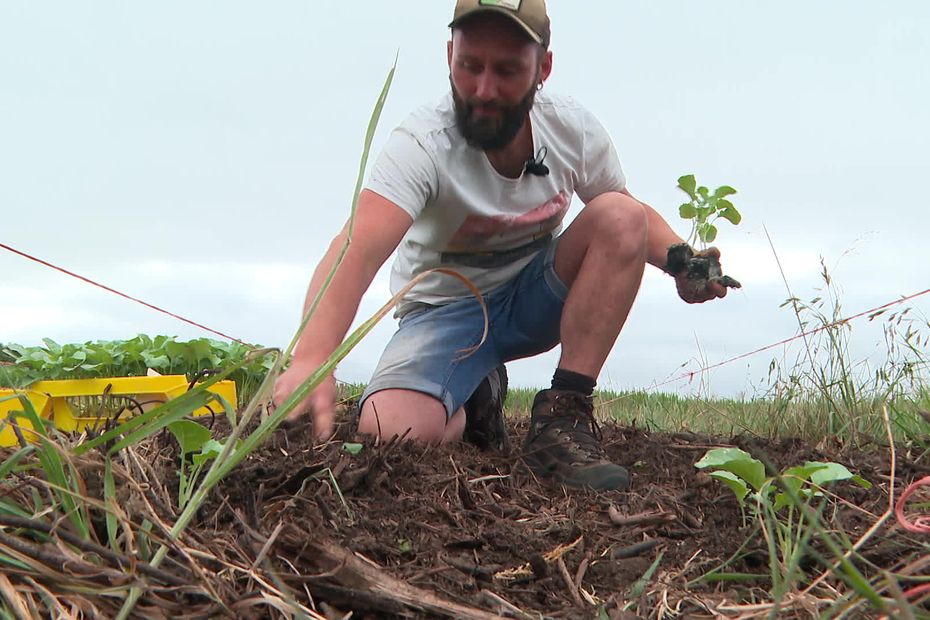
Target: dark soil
699,267
478,529
402,530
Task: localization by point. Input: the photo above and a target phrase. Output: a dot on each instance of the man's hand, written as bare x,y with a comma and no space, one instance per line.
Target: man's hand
698,290
320,404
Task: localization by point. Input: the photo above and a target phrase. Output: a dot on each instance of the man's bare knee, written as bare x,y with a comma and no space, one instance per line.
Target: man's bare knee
403,413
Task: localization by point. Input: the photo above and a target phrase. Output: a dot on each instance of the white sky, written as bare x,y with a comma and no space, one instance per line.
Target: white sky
202,155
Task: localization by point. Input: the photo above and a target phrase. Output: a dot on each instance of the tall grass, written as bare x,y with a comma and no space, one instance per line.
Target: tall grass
66,499
822,391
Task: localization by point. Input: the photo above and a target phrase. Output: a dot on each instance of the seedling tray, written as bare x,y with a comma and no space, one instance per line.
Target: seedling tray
80,404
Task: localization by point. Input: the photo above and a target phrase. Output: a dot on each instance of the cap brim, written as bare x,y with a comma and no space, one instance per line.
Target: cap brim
490,9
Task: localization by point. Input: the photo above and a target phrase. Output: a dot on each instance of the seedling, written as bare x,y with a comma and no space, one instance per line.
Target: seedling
778,501
705,208
701,267
197,448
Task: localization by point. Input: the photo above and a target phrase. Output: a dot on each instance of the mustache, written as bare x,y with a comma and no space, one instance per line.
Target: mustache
471,104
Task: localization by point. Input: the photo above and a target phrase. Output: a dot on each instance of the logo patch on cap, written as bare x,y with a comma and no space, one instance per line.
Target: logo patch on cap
513,5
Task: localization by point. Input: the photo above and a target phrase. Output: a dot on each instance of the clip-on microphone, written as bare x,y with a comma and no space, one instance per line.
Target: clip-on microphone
535,165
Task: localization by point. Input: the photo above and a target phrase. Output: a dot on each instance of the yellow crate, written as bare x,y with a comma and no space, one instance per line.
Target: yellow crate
76,404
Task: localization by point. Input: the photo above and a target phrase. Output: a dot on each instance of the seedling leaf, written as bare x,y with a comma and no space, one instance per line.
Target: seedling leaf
688,185
834,472
735,461
210,450
709,233
733,481
352,448
190,435
731,215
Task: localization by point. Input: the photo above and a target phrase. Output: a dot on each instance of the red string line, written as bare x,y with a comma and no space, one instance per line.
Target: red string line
124,295
690,375
687,375
920,524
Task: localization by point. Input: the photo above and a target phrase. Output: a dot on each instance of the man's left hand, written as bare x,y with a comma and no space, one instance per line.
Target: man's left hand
698,291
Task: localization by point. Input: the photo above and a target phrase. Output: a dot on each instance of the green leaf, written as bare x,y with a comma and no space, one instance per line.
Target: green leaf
190,435
156,362
735,461
733,481
352,448
687,211
794,477
8,465
834,472
718,456
782,500
707,233
723,191
731,215
687,184
404,545
210,450
110,499
703,192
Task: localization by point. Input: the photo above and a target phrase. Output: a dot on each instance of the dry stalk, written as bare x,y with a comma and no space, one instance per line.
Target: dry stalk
572,589
14,599
645,518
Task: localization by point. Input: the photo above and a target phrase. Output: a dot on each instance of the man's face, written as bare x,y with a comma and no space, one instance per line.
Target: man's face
494,69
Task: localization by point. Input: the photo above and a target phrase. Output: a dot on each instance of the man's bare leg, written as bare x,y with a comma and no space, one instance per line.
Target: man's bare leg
391,412
600,258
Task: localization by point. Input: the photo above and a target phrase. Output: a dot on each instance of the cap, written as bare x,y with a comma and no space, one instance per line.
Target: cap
528,14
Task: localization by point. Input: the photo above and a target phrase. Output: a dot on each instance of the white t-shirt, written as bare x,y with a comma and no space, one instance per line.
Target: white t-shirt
469,218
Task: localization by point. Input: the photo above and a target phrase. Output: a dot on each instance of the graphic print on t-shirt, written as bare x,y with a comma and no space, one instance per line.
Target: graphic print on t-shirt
484,233
491,241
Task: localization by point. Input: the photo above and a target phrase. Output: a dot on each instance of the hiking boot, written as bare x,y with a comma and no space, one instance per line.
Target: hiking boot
484,413
563,443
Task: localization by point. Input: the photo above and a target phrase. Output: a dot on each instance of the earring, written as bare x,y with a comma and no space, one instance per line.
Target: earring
539,86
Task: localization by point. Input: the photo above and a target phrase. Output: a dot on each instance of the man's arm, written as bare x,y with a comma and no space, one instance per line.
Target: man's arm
379,227
661,237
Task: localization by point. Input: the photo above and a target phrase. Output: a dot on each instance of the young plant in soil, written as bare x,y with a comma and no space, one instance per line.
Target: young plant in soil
703,209
778,502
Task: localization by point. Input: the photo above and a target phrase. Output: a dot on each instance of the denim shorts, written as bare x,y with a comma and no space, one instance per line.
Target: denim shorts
426,353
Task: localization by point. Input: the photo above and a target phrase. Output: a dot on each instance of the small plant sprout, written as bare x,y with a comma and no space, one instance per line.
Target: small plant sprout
778,502
197,448
705,208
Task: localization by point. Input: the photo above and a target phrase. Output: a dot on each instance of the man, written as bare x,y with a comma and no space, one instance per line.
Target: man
480,184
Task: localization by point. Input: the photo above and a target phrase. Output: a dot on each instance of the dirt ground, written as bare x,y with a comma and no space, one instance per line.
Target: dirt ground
479,530
402,530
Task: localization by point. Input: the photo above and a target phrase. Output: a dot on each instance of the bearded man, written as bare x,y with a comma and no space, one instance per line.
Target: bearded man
480,183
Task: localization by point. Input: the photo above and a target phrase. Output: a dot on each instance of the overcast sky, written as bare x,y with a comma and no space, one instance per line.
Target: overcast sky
202,155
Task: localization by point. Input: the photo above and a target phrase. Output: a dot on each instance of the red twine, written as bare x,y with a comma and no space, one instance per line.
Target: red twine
921,524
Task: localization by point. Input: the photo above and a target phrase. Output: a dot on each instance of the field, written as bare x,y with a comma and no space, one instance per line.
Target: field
158,519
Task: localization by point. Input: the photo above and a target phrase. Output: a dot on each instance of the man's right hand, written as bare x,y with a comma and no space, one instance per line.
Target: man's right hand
320,404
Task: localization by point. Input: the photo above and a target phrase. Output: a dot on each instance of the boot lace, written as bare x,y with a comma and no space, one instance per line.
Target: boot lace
571,410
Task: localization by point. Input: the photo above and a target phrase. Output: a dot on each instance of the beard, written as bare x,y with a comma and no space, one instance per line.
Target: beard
490,133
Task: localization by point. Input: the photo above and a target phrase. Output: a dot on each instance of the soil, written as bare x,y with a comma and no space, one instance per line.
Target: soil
478,529
403,530
699,267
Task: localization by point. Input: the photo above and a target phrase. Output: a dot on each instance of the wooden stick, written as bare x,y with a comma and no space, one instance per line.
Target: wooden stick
643,518
569,583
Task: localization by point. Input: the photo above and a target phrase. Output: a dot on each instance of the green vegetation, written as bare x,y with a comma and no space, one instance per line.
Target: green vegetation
58,492
704,208
131,358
